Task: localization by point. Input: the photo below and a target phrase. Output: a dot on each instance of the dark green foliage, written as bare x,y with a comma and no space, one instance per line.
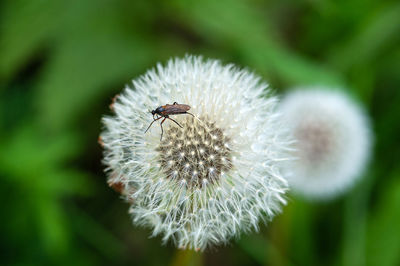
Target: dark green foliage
61,62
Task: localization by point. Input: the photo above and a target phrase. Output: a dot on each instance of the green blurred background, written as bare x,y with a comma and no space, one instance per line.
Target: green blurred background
61,62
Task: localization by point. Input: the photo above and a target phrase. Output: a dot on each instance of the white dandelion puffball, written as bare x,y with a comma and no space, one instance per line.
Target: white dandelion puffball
332,141
213,174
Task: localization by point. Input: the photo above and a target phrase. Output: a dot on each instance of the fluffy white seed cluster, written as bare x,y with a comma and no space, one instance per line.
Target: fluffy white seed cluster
332,141
213,178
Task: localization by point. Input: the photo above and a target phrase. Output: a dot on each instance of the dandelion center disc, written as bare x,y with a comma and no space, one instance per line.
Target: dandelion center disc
315,141
198,153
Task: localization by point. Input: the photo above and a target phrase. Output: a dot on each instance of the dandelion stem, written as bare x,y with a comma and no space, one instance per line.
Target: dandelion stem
187,258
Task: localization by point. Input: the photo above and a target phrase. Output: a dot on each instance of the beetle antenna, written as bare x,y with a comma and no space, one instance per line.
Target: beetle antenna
149,125
152,123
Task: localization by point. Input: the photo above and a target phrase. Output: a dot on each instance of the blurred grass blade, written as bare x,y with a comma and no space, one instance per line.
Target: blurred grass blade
355,222
383,244
81,72
248,31
96,235
378,31
25,25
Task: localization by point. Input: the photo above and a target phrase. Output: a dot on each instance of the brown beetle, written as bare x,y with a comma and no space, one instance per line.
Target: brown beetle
165,111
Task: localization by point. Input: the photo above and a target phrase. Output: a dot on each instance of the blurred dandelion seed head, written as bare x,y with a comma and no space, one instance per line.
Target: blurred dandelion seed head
332,141
213,178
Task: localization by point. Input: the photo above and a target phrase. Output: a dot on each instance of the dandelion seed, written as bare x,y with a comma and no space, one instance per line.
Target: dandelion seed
332,145
217,185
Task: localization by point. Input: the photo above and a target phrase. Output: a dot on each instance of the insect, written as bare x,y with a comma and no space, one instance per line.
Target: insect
165,111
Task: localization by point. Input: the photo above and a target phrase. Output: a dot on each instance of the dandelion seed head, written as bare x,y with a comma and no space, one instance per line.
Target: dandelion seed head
208,180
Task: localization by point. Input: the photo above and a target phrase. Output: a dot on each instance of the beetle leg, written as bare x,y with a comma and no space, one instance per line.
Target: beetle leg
189,113
162,131
175,103
152,123
174,121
